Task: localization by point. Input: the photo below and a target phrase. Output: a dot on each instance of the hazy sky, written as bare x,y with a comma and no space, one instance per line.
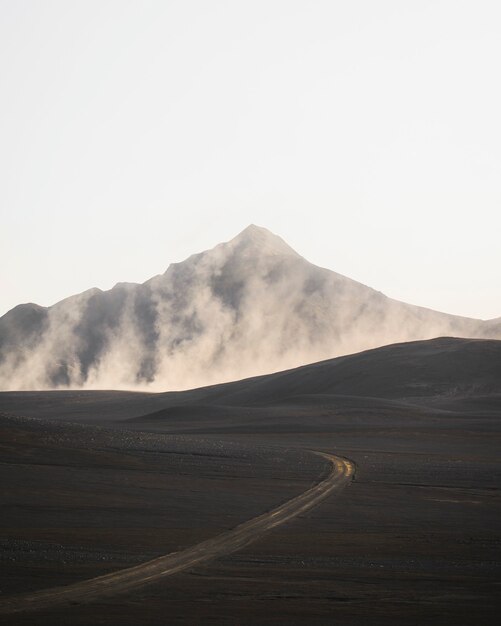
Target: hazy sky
365,133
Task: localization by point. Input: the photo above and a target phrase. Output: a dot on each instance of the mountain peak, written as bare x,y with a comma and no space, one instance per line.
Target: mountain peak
261,240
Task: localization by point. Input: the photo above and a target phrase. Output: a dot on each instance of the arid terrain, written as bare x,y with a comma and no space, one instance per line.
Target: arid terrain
94,482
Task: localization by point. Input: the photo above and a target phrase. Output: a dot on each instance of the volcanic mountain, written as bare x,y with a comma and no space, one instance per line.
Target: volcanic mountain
247,307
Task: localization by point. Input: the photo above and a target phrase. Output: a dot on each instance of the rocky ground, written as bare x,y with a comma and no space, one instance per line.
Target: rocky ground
415,539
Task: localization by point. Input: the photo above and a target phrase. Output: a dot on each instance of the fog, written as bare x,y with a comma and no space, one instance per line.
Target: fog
247,307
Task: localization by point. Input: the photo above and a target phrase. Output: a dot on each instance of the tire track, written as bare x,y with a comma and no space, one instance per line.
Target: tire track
340,475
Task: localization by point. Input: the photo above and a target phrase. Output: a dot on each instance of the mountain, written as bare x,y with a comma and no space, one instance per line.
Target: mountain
247,307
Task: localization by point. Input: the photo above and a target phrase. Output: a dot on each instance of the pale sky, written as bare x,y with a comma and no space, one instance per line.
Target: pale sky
366,133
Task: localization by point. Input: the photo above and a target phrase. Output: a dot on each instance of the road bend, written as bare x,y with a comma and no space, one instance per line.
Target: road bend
340,475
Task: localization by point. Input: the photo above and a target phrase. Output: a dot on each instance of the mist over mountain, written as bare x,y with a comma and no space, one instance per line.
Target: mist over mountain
247,307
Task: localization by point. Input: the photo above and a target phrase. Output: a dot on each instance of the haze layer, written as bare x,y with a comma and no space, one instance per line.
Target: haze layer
247,307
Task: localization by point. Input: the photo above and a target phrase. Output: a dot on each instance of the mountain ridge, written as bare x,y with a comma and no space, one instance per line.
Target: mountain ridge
246,307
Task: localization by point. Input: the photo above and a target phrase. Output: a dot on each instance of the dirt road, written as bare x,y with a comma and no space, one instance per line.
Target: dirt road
340,475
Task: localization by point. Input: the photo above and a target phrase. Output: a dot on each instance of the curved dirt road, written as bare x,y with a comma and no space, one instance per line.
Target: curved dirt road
123,580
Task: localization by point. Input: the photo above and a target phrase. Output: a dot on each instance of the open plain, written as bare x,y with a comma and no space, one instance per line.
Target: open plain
97,482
